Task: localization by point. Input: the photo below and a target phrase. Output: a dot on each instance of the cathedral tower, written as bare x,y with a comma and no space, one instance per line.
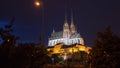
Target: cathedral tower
66,31
72,26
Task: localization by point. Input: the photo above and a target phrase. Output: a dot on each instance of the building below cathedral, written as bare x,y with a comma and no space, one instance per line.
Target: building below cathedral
61,48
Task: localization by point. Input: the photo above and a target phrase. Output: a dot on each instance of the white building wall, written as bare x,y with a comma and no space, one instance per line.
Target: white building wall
66,41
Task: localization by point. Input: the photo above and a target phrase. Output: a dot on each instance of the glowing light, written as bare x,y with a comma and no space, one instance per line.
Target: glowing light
82,48
8,40
37,3
70,50
65,56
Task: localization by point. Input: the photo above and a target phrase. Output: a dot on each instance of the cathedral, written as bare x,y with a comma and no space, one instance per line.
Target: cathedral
67,36
67,42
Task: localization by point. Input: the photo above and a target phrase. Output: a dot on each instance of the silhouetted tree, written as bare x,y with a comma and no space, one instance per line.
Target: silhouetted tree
39,56
106,50
7,47
27,55
6,34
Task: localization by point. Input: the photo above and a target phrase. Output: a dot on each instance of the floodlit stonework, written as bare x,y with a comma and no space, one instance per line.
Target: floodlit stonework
67,42
67,36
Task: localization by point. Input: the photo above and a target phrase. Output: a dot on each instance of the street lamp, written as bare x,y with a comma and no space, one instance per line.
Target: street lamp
39,3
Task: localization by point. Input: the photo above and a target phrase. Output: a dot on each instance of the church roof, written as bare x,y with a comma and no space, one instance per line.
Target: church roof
56,35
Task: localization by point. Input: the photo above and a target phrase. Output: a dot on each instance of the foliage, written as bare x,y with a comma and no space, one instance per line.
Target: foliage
106,50
23,56
6,34
28,55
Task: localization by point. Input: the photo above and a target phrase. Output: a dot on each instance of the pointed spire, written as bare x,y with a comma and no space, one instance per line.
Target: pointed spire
66,22
65,17
72,22
72,26
65,11
72,16
53,30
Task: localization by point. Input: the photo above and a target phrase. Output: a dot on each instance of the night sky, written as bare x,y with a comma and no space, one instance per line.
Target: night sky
90,16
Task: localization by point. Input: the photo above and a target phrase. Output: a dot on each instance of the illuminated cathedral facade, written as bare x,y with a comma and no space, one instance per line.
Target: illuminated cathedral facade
67,36
67,42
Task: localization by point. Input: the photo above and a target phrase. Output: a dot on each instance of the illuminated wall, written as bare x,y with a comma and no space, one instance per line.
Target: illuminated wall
60,48
66,41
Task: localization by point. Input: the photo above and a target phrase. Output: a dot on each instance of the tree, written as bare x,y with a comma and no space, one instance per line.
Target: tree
6,34
106,50
28,55
7,47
